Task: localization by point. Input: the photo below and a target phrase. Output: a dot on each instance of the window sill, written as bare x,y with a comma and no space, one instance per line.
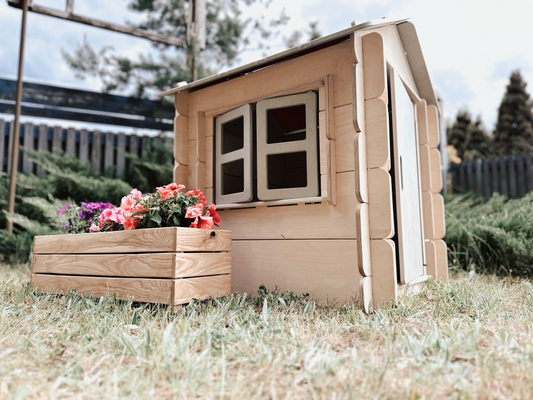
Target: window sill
273,203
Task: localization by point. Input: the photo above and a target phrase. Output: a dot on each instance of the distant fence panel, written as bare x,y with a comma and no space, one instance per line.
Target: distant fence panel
102,150
512,176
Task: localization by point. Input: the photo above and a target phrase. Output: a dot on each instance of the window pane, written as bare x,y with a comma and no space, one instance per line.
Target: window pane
233,135
286,171
286,124
233,177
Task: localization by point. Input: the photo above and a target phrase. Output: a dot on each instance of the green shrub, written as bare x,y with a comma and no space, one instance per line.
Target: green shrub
495,237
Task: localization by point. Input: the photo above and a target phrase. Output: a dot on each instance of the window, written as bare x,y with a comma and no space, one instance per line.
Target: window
234,156
285,135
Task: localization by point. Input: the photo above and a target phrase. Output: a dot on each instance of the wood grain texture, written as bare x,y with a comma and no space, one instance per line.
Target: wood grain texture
422,122
200,176
436,176
384,279
157,265
360,166
425,168
377,134
329,107
192,181
209,143
431,258
428,215
374,66
201,288
137,289
438,214
442,260
181,103
152,265
298,72
323,268
433,126
322,143
363,243
356,118
365,293
180,139
202,264
286,92
332,173
380,204
181,173
135,241
310,221
209,195
200,138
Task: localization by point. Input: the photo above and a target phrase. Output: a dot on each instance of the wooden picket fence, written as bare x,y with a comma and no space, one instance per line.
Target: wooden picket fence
512,176
101,149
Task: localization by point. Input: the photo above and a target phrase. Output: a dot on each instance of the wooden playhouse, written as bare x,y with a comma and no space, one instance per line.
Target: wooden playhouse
323,162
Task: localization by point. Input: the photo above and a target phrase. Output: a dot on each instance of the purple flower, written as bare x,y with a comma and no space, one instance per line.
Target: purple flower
63,209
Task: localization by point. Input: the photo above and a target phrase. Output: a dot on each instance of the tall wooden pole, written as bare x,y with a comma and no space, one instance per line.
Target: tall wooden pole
16,130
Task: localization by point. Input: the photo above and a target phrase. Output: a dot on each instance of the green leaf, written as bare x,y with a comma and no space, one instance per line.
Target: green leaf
156,218
139,213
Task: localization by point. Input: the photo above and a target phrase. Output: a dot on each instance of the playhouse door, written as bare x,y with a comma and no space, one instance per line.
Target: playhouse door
407,190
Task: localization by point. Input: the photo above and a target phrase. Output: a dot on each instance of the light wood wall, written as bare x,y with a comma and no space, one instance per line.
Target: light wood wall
291,246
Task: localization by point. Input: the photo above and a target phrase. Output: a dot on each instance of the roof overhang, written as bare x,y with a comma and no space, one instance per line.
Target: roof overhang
407,34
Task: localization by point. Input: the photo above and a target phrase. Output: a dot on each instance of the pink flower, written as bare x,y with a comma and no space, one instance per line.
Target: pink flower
113,215
63,209
128,202
94,228
136,194
194,211
198,194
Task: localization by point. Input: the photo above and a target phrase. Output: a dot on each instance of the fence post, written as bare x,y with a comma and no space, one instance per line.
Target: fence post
42,145
9,146
71,142
2,143
134,145
96,153
503,176
521,184
494,176
109,150
84,146
529,172
479,177
486,187
121,146
56,140
512,177
27,143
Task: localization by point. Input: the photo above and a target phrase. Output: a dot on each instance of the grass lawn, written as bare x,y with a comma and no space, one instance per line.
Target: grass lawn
469,338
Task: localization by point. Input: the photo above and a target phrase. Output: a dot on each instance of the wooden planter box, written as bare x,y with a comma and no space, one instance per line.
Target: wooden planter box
163,265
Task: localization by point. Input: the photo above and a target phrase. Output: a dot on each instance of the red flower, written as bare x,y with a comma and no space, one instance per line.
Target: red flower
169,191
213,213
199,194
194,211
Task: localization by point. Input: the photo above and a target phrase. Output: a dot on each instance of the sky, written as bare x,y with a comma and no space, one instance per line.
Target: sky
470,46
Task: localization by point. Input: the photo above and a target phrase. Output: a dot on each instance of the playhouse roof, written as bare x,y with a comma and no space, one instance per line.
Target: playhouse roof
407,34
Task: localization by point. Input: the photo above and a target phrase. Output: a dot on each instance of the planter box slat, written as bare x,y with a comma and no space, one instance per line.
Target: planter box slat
148,265
164,291
135,241
164,265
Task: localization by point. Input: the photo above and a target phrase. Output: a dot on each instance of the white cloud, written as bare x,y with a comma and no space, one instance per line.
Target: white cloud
470,47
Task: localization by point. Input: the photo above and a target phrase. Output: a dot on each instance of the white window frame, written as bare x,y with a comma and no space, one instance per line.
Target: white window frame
244,153
309,146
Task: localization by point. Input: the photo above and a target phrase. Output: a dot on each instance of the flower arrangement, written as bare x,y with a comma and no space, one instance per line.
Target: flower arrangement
169,206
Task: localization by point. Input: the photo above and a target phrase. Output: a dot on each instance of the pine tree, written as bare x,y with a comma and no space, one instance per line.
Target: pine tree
227,36
469,137
514,128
